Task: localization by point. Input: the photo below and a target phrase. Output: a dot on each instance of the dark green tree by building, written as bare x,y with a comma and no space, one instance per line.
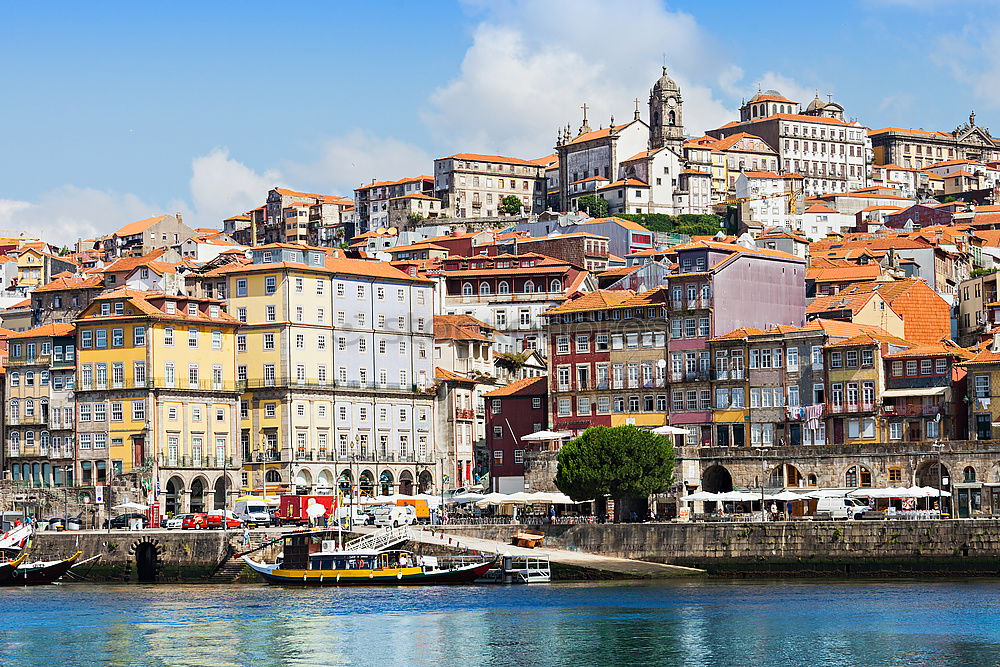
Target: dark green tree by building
594,206
628,464
511,205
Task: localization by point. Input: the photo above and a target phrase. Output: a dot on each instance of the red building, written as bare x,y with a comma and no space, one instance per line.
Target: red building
513,412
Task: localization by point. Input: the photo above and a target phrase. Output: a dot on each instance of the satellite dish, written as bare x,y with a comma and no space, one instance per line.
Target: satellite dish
380,231
392,231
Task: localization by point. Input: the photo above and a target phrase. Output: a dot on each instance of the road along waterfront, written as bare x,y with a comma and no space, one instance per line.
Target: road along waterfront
675,622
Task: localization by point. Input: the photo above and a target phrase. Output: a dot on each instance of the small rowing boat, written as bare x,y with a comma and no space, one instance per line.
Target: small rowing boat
42,572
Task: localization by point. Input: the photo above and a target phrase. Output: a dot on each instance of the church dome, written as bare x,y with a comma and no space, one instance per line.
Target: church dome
665,83
816,105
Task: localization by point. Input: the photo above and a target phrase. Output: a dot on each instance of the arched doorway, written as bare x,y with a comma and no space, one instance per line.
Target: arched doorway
145,562
927,475
175,491
198,495
784,476
303,481
406,483
858,476
345,481
366,483
385,483
426,482
716,479
324,482
219,497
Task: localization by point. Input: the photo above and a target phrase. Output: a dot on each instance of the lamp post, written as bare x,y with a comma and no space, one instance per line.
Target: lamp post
937,445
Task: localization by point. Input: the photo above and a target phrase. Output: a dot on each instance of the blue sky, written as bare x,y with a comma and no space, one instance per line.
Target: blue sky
116,111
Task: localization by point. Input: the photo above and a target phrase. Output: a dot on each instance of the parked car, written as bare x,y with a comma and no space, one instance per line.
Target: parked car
215,520
194,522
122,521
175,521
61,523
395,516
841,507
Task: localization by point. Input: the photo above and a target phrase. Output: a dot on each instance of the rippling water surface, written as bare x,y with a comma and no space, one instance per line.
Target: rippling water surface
677,623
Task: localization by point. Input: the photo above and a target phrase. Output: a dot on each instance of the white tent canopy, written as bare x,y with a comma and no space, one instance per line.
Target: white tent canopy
538,436
523,498
668,430
131,507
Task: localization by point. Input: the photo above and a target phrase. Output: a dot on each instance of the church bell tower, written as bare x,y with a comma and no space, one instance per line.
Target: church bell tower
666,115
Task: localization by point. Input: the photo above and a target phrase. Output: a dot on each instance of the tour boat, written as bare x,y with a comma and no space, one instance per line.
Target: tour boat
310,560
7,569
41,572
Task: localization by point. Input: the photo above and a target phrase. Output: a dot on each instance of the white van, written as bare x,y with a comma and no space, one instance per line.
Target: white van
354,514
395,515
841,507
252,511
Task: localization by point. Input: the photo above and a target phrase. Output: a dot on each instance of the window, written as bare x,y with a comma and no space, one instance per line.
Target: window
270,314
100,338
498,431
982,386
941,366
168,336
867,358
139,411
270,285
836,360
241,287
895,432
269,341
139,336
117,411
926,366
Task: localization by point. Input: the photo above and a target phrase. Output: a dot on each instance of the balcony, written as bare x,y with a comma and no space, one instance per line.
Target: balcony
166,461
912,410
37,360
843,408
690,376
730,374
243,385
690,304
465,413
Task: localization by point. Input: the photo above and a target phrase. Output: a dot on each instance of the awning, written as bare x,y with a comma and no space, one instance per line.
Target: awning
916,391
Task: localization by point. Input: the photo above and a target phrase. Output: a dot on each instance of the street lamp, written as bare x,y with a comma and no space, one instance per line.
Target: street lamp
938,446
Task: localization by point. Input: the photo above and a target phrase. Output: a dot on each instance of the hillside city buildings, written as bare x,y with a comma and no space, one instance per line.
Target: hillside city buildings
836,324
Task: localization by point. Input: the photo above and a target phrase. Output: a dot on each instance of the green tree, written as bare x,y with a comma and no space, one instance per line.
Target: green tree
595,207
511,205
624,462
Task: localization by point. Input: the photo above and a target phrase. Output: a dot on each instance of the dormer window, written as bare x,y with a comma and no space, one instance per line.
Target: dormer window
105,309
170,307
213,312
119,307
268,257
193,309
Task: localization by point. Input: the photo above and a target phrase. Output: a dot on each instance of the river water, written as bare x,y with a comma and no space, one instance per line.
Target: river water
676,623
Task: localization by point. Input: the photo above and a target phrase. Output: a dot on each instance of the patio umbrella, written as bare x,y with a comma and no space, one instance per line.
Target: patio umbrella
545,435
700,496
787,495
131,507
738,496
668,430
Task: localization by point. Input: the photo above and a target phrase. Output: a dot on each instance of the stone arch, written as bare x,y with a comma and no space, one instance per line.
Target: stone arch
716,479
198,486
858,476
346,480
172,503
303,481
812,480
272,476
969,474
785,475
426,482
927,475
386,483
324,481
406,483
366,482
148,555
221,486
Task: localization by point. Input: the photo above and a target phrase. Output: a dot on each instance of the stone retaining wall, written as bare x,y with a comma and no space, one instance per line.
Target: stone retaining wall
822,547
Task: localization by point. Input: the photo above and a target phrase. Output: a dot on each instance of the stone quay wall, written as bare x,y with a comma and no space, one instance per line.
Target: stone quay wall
883,548
126,556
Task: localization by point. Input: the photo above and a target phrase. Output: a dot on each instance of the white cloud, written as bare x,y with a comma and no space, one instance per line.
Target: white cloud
973,56
65,214
222,187
346,162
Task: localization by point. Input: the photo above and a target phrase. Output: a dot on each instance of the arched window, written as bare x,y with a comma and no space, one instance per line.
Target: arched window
671,118
529,286
272,476
29,408
969,474
44,439
15,409
15,379
503,287
484,288
466,289
29,438
555,285
15,437
858,476
812,480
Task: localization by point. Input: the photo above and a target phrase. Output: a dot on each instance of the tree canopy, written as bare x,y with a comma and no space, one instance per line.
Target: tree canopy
686,223
511,205
624,462
595,207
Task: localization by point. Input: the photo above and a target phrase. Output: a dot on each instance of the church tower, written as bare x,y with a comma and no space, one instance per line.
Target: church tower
666,115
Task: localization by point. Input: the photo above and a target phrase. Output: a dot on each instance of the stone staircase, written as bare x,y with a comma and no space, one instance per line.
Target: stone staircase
233,568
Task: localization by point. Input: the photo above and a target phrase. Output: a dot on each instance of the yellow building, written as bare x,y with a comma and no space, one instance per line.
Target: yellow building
156,396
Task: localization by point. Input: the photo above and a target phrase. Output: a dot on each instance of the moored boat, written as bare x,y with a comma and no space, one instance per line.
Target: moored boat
7,569
41,572
308,561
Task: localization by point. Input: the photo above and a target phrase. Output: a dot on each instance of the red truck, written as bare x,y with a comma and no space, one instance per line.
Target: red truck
292,509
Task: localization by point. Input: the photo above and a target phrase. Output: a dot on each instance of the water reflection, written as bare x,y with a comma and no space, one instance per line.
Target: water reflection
677,623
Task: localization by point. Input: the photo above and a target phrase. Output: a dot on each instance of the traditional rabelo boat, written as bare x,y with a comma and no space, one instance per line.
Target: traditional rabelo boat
42,572
7,569
308,561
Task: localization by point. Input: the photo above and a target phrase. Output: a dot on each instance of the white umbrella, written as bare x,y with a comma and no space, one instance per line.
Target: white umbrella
135,507
546,435
668,430
700,496
738,496
787,495
554,498
888,492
